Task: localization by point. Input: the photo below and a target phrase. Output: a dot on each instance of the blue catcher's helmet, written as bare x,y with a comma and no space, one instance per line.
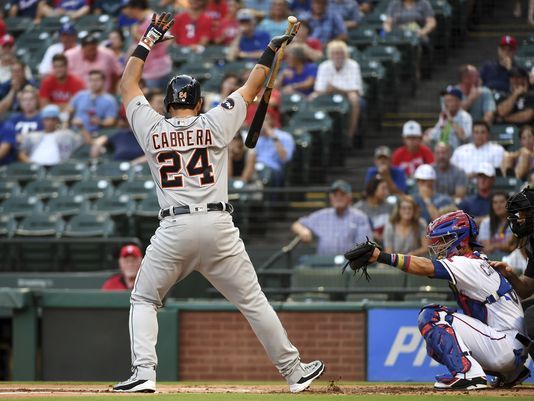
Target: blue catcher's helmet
452,232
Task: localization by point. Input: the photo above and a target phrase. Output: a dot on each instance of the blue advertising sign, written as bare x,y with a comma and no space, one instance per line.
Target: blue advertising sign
396,350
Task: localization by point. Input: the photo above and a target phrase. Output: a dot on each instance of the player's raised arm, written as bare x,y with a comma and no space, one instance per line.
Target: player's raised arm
129,84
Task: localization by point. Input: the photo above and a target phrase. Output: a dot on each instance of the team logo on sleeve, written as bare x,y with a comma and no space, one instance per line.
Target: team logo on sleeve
228,104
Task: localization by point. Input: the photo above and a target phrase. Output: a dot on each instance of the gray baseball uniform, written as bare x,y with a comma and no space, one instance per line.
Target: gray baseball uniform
188,159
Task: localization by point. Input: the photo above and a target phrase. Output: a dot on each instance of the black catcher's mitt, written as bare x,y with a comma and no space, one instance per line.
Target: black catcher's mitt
358,257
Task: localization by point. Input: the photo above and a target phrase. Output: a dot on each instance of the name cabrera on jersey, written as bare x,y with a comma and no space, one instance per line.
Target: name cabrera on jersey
482,292
188,157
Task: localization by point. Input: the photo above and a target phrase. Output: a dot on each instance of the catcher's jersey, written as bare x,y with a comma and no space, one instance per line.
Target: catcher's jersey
188,157
475,280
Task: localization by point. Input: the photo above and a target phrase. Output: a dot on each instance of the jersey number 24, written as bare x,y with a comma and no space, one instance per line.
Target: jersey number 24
171,171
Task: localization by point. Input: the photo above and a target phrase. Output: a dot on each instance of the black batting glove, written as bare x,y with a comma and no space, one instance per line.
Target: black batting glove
277,41
157,29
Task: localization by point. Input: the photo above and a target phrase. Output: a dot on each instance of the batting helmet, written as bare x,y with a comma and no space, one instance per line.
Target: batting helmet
520,206
182,90
452,232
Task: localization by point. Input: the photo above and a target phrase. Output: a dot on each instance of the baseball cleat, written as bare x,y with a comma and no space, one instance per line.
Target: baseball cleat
312,371
456,383
500,382
135,386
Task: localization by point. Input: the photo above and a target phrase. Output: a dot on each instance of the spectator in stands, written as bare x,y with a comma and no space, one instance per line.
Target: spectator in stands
129,264
299,75
250,42
450,180
274,149
10,90
413,153
478,205
336,226
393,176
520,163
51,146
261,7
406,231
242,160
216,10
28,8
229,83
427,199
7,57
349,11
469,156
156,99
494,73
60,86
275,23
8,146
29,119
366,6
454,124
68,37
300,6
73,9
89,56
413,15
518,106
326,24
312,47
193,26
341,74
495,233
376,206
3,30
477,99
158,67
94,108
115,43
228,27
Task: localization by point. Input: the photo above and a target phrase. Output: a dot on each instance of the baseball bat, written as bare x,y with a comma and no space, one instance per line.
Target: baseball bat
257,122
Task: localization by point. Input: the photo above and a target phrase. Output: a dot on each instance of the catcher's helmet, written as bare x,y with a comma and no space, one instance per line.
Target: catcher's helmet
182,90
452,232
521,202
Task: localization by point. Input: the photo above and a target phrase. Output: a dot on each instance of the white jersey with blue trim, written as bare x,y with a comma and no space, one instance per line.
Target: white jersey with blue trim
188,157
483,293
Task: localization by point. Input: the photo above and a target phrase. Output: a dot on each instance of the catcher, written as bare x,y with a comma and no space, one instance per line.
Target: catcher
489,336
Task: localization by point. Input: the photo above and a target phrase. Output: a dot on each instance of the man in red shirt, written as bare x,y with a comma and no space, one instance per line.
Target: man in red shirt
193,27
60,86
129,263
412,154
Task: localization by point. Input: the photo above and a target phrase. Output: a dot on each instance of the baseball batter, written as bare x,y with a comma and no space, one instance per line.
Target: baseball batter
188,157
489,337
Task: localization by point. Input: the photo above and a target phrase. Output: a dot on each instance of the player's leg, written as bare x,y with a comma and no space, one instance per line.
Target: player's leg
167,260
228,268
446,347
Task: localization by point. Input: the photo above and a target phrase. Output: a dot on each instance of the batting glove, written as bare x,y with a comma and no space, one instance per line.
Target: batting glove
156,31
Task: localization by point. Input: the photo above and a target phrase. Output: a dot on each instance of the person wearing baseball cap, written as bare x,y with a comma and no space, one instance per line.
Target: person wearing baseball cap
393,176
477,99
413,153
518,106
68,36
251,40
335,225
494,73
454,124
130,257
478,205
428,200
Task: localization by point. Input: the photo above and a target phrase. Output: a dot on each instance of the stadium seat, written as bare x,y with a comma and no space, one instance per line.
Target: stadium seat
319,280
20,206
381,278
8,226
201,70
238,67
507,184
424,284
119,208
322,260
290,104
8,188
91,23
137,190
146,218
92,188
83,153
45,189
17,25
180,54
213,54
67,205
141,172
426,298
506,135
374,79
52,24
22,172
31,46
193,286
114,171
69,171
362,38
298,171
526,50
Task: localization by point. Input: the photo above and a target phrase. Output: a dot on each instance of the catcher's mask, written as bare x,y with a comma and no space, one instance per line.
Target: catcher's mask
452,233
520,208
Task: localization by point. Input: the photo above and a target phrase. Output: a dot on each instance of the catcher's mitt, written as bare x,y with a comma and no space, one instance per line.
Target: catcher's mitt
358,257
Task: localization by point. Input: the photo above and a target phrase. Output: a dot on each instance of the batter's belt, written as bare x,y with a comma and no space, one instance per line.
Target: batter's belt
202,208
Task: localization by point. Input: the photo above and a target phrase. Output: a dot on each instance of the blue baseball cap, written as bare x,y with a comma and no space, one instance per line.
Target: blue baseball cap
67,29
451,90
341,185
50,111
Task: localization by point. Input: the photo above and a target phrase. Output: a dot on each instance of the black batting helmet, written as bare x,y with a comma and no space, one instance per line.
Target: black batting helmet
182,90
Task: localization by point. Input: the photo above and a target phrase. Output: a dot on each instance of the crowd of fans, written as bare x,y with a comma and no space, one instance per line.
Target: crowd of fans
71,100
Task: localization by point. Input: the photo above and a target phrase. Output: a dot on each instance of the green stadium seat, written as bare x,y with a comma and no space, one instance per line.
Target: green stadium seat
52,24
290,104
441,36
67,205
507,184
362,38
69,171
17,25
213,54
298,170
8,226
20,206
193,286
424,284
91,23
115,171
83,153
45,189
119,208
22,172
322,260
92,188
141,172
526,50
374,79
90,225
180,55
137,190
319,280
380,278
238,67
146,218
8,188
427,297
506,135
201,70
32,45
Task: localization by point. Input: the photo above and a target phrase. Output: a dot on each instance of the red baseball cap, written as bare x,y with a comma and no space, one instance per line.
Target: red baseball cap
7,39
131,250
508,40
